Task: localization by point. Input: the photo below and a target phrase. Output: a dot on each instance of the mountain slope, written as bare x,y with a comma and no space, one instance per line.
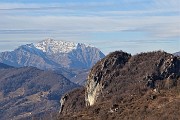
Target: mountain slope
4,66
121,86
28,91
69,54
27,55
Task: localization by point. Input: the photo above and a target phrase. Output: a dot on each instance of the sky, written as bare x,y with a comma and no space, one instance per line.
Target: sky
133,26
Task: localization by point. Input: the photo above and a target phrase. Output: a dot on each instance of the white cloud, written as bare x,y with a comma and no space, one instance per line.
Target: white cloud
154,18
73,21
51,6
157,25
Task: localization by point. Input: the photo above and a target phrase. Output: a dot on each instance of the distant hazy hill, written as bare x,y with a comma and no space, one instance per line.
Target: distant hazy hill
28,91
124,87
176,54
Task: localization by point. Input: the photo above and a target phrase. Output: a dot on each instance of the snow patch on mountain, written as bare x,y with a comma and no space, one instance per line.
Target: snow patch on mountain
52,46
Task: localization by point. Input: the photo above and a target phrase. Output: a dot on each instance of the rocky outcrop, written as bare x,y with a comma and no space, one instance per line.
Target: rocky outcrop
162,66
72,102
62,102
121,86
99,73
167,70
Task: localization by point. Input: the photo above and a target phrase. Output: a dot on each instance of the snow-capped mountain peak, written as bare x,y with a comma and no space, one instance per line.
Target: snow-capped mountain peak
53,54
52,46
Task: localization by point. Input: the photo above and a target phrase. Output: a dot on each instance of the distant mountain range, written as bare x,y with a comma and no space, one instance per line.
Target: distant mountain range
51,54
63,57
28,91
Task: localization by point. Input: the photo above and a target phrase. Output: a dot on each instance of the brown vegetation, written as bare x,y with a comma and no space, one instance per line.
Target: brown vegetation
28,91
143,87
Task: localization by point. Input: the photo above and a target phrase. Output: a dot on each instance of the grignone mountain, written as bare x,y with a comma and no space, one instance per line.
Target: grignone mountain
28,91
51,46
51,54
70,55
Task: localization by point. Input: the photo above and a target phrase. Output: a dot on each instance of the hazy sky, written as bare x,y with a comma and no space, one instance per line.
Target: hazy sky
129,25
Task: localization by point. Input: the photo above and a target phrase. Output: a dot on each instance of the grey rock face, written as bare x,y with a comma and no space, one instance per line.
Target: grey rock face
98,73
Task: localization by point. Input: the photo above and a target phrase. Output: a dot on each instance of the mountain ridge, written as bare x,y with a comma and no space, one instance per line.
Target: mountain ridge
60,53
121,86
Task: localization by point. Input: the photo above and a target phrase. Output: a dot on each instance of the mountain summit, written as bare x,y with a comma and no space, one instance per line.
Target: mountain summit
51,46
70,55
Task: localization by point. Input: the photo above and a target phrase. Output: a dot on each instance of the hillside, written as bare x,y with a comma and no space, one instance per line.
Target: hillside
121,86
28,91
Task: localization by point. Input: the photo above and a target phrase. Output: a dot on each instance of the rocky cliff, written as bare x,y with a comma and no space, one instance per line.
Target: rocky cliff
151,69
99,73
